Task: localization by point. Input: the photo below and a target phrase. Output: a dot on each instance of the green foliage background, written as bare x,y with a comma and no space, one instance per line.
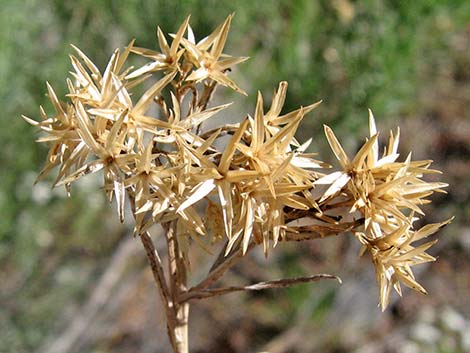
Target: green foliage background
353,54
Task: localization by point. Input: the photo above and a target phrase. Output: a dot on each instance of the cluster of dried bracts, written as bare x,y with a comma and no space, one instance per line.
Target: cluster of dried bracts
252,187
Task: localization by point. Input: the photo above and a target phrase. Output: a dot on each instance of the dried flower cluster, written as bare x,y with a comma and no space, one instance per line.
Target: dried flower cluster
387,194
255,185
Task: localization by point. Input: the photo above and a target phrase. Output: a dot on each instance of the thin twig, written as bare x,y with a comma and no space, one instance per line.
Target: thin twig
224,130
219,269
293,214
156,266
180,93
207,95
153,258
310,232
318,231
280,283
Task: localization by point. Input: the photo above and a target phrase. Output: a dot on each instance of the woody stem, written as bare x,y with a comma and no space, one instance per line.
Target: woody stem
176,313
179,312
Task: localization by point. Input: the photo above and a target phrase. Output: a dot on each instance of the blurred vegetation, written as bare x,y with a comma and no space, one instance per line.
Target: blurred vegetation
387,55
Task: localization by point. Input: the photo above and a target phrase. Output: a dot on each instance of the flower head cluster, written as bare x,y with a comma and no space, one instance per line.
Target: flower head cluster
165,162
387,194
152,147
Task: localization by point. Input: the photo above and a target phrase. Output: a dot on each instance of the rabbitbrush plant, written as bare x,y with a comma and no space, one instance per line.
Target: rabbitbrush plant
255,190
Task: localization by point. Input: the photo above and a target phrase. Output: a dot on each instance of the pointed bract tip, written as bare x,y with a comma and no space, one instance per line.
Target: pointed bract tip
29,120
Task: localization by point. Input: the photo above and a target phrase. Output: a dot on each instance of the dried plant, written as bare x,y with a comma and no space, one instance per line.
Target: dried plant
256,190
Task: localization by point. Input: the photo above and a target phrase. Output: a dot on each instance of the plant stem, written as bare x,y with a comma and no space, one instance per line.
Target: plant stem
179,313
176,313
281,283
159,276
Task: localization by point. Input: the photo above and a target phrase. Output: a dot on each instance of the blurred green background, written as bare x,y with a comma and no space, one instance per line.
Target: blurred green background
72,278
